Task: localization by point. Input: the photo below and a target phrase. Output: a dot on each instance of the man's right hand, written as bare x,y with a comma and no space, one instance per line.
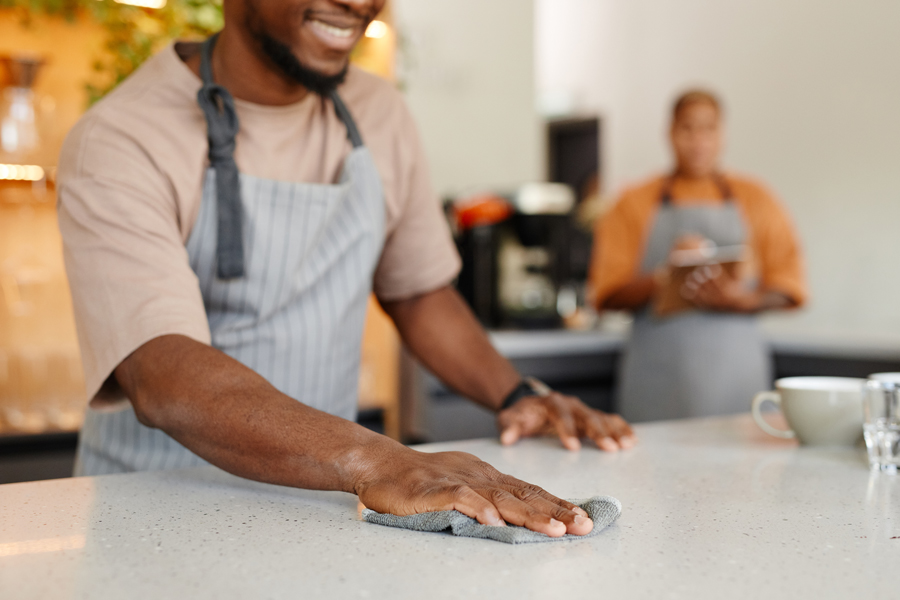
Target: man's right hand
401,481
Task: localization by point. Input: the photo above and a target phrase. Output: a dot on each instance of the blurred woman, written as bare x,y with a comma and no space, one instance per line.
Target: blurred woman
696,255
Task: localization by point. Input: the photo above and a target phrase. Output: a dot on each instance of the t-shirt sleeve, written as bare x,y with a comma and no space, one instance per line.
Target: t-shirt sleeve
780,257
419,255
617,250
125,257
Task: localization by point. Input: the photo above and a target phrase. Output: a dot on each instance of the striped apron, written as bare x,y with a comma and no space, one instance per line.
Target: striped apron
285,270
695,363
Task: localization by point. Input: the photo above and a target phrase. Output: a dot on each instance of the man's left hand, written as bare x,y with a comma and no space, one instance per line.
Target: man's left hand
566,416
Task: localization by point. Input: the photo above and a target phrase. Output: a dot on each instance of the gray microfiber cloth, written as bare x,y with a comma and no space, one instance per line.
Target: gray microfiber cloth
603,511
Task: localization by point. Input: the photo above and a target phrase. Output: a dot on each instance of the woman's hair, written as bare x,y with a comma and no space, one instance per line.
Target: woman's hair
696,96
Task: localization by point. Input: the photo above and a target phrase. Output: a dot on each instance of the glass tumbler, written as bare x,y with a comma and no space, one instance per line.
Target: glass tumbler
881,408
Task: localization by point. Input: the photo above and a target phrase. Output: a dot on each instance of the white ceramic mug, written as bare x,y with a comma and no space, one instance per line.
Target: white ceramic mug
819,410
886,377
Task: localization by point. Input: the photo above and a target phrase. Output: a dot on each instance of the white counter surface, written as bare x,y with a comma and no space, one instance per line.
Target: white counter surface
830,344
712,509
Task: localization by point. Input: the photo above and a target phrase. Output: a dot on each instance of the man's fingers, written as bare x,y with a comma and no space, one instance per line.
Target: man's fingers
574,517
564,423
627,442
472,504
511,482
414,483
521,513
528,417
623,431
516,502
609,432
575,523
510,434
568,418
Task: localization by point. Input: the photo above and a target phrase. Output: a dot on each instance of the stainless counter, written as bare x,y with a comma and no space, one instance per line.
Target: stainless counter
712,509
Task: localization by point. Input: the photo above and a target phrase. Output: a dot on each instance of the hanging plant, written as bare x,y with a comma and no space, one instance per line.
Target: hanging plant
134,33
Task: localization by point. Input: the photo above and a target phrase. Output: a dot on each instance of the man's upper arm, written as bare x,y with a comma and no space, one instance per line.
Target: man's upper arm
125,258
419,255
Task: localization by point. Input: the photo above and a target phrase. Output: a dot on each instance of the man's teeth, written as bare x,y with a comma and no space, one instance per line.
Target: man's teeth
332,30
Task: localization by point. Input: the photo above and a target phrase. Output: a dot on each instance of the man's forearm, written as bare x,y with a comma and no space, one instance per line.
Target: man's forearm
229,415
233,418
442,332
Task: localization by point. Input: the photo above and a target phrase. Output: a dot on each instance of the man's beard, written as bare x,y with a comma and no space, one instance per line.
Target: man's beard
282,57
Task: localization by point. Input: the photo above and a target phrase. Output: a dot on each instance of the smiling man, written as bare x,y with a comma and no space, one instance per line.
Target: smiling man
226,212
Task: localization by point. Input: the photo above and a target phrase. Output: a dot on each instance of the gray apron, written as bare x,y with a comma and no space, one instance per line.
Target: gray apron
695,363
285,270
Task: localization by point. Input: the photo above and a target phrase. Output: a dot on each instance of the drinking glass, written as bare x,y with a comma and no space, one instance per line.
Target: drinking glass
881,410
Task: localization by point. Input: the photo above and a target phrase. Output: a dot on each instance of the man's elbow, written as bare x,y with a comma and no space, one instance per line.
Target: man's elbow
148,413
149,407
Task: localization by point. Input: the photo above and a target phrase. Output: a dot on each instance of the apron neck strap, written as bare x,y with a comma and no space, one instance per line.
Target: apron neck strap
221,129
218,108
206,49
339,107
725,189
344,115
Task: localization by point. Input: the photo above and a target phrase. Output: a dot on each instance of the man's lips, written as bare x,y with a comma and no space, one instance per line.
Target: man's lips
338,32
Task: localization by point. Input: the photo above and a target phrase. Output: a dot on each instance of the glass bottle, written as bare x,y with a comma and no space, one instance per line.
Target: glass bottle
20,116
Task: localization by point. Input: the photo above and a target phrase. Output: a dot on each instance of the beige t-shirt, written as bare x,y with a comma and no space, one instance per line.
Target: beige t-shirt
130,185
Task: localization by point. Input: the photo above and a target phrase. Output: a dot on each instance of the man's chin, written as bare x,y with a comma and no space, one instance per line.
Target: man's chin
325,68
321,82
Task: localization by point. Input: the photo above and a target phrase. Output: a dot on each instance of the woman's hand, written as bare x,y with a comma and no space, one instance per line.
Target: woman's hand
713,288
716,289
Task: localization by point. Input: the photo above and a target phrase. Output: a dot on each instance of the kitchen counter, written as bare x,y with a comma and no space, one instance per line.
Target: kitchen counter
585,364
561,342
713,508
514,344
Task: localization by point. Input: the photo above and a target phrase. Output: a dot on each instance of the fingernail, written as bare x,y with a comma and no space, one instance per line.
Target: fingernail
499,523
554,523
580,511
579,520
609,444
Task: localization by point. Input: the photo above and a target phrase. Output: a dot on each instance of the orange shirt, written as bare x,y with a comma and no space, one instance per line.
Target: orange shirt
621,235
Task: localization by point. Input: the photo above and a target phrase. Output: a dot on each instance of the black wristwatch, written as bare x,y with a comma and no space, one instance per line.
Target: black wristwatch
527,387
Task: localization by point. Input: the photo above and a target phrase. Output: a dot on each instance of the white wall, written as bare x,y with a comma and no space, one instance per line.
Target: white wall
471,87
812,93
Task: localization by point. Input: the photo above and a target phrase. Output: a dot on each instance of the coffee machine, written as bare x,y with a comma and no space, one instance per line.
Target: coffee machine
515,255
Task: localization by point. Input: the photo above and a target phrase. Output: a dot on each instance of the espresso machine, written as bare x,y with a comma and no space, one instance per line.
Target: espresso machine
515,255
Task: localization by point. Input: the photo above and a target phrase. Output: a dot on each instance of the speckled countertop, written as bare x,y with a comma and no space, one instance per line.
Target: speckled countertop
712,509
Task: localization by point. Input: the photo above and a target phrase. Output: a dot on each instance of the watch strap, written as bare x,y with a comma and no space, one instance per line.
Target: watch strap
529,386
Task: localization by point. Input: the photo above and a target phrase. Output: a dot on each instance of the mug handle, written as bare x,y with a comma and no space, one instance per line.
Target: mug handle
775,398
